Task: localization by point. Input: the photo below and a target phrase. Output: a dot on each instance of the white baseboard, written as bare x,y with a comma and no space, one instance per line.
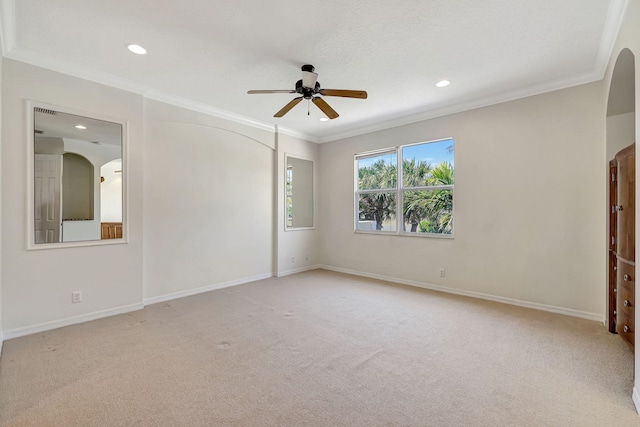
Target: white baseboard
19,332
298,270
189,292
636,399
46,326
511,301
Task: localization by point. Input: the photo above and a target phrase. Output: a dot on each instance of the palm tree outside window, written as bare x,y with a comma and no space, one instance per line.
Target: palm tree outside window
406,190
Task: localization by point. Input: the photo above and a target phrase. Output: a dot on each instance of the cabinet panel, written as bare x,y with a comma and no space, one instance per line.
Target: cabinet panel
625,328
624,185
626,302
626,274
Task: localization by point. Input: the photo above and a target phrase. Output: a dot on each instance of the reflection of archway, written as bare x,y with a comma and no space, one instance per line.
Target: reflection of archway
77,188
621,188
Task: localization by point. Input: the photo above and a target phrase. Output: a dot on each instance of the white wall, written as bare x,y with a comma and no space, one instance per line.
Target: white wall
302,245
629,37
529,222
1,143
620,133
37,285
111,192
208,192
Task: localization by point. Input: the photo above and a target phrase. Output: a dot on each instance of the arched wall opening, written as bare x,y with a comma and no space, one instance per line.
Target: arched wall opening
621,104
620,136
77,188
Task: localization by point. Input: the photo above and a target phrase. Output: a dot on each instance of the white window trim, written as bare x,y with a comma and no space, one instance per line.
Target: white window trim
398,190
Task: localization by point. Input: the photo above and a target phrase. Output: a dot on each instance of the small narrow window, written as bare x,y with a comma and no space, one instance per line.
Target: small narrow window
289,186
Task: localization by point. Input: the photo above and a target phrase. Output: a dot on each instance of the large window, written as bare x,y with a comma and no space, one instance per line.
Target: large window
406,190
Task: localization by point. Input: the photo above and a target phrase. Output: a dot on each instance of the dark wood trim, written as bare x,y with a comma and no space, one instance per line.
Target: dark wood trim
611,311
627,151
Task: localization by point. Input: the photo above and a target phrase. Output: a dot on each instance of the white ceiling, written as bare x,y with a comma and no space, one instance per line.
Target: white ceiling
206,54
62,125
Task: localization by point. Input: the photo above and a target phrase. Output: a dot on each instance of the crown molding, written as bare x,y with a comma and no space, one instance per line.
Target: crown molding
110,80
79,71
7,26
200,107
612,26
613,23
295,134
471,104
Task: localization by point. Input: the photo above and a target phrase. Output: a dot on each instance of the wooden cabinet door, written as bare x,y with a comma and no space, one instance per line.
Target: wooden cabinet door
625,213
626,209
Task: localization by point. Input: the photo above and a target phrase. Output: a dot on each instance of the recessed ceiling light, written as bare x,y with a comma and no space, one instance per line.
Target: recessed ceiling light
136,48
443,83
81,127
323,119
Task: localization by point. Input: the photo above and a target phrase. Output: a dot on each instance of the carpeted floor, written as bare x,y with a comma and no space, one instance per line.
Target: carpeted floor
321,349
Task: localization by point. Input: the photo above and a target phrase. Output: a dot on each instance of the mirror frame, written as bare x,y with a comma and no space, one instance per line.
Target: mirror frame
313,188
30,105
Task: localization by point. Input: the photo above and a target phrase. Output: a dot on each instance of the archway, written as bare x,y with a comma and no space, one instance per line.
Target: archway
620,132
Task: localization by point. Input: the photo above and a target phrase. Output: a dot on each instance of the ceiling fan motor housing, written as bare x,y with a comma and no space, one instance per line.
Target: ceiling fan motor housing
307,92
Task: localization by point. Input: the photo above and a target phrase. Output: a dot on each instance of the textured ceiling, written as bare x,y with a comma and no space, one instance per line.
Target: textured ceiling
209,53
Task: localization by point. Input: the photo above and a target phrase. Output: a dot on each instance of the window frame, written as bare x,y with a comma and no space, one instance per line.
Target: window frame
399,190
358,192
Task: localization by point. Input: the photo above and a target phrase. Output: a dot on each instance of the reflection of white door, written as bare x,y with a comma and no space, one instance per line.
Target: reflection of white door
47,197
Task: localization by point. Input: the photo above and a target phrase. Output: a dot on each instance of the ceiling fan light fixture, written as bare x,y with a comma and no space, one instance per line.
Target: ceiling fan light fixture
82,127
309,79
443,83
324,119
308,88
137,49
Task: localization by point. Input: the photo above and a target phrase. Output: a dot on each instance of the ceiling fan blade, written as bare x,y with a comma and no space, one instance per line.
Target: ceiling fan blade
271,91
326,109
288,107
362,94
309,79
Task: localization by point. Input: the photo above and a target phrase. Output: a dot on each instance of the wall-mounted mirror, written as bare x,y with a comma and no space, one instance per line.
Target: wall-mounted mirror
298,193
76,176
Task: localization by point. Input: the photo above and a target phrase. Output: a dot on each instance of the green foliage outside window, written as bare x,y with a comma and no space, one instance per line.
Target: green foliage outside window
426,192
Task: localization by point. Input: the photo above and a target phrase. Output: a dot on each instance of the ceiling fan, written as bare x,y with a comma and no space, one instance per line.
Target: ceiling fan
309,88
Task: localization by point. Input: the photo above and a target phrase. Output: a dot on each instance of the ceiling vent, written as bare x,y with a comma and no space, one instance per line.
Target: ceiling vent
45,111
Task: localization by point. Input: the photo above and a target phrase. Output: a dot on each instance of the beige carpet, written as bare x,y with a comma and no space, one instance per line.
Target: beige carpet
321,349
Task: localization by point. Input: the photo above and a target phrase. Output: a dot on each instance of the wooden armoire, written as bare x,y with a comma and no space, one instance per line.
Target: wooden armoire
622,251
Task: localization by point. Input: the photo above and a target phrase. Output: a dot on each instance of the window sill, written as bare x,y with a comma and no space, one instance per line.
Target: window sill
405,234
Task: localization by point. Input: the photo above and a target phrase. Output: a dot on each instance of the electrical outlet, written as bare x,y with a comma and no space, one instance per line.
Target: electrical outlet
293,259
76,297
442,272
